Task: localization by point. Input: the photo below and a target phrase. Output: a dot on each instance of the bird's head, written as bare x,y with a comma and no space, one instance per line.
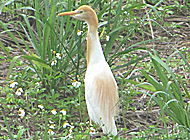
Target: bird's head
84,13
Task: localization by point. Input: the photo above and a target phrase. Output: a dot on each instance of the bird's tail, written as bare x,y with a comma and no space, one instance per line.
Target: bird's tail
109,127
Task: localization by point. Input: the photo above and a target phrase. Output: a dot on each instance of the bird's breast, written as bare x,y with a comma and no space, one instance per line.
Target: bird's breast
99,70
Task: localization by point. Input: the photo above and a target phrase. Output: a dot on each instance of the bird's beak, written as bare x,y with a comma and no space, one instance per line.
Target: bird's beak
72,13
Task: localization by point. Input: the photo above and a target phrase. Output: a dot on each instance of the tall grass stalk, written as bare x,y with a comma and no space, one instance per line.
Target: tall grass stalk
7,125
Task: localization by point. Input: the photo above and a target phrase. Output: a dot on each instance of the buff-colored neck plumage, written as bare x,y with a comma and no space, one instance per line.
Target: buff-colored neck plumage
94,50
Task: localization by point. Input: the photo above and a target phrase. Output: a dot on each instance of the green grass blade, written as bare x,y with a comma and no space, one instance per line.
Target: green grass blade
37,15
146,86
12,65
7,125
4,49
183,58
9,32
131,62
31,36
160,72
164,65
178,113
153,81
46,33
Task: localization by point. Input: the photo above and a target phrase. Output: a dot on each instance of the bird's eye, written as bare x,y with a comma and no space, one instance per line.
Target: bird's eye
80,11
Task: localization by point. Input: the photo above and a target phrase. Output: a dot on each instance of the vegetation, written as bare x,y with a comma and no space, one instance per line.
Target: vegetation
42,96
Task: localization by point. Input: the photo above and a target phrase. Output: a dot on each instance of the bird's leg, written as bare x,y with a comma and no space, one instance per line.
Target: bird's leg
90,123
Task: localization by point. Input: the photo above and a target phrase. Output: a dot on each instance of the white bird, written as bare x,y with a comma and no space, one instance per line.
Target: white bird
100,85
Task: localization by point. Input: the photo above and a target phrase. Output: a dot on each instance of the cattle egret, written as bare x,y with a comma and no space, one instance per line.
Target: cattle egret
100,85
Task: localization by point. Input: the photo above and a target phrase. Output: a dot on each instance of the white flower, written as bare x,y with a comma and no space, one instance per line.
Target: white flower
71,129
41,106
54,112
21,113
13,84
70,136
79,32
52,126
107,38
76,84
51,122
58,55
92,131
54,62
50,131
63,111
65,124
19,91
37,83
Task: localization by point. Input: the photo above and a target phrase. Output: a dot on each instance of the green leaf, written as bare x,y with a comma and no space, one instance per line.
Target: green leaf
146,86
153,81
130,62
4,49
12,65
39,62
4,4
183,58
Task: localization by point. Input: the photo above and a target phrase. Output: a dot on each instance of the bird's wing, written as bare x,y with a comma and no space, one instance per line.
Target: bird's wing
101,96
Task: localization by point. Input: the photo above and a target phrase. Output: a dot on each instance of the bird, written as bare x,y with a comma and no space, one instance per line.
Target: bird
101,90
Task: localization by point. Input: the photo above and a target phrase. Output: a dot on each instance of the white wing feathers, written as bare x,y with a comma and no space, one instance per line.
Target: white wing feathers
102,98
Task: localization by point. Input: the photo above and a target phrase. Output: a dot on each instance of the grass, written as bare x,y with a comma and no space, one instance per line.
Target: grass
55,63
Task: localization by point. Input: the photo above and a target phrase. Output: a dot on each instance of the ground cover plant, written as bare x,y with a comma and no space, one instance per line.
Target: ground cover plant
146,43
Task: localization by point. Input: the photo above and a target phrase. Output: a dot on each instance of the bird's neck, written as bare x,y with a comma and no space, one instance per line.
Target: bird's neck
94,49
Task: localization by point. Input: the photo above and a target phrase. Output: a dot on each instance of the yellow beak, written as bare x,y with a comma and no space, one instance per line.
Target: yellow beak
67,13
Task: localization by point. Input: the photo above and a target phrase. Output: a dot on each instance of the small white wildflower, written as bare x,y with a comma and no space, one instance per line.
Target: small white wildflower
54,112
19,91
63,111
52,126
70,136
9,106
92,131
76,84
51,122
79,32
71,129
21,113
50,131
37,83
54,62
58,55
65,124
107,38
41,106
13,84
